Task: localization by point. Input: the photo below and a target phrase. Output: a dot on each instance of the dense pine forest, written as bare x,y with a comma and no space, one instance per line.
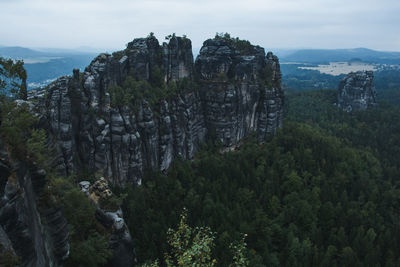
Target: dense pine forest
171,133
322,192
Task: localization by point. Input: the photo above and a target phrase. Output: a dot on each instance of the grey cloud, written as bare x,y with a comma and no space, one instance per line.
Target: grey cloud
287,23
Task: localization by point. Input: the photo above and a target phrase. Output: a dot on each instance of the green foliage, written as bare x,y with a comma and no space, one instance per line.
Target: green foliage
151,264
16,119
243,46
239,253
112,203
266,76
390,96
190,247
132,92
386,80
23,141
294,78
88,239
79,212
16,122
37,147
119,96
13,78
94,251
86,175
323,192
156,78
194,247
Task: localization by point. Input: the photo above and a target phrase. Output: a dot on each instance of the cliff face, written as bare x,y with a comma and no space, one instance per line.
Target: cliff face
38,235
236,93
357,91
237,99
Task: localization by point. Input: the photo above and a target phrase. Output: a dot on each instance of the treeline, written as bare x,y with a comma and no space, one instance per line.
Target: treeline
323,192
386,80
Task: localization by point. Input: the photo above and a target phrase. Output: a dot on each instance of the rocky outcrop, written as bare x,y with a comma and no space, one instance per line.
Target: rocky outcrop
229,93
109,214
357,91
240,91
36,236
177,59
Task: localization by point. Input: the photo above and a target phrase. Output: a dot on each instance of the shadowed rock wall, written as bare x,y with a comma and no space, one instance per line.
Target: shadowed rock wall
236,93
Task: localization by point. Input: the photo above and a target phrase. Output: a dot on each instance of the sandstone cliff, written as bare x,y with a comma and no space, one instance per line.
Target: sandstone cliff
232,89
357,91
37,235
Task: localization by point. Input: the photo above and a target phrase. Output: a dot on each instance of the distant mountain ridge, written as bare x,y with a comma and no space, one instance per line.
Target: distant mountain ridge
47,64
17,52
335,55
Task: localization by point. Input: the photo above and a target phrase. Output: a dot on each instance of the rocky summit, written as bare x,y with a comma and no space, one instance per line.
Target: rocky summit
357,91
142,107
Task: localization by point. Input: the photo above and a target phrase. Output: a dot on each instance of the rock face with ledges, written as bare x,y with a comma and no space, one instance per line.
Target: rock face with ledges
241,92
234,93
357,91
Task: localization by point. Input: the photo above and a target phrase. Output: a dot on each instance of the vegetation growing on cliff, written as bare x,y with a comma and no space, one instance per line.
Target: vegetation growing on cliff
16,120
132,92
25,142
13,78
243,46
266,77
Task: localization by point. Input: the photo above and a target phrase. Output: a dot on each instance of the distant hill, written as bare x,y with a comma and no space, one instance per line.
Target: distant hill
335,55
17,52
39,74
48,64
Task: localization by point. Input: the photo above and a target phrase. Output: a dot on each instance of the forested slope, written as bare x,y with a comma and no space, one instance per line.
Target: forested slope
323,192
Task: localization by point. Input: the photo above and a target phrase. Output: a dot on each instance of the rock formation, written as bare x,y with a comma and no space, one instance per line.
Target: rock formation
39,234
357,91
110,215
235,100
231,90
234,89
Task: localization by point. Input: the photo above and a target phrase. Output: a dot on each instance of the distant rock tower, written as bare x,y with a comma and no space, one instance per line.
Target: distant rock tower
357,91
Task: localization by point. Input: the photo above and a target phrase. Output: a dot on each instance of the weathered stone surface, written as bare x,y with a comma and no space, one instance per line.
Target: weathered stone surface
35,242
238,94
236,101
357,91
177,58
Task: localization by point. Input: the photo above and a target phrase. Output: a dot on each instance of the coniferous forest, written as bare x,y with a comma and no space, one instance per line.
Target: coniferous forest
199,133
322,192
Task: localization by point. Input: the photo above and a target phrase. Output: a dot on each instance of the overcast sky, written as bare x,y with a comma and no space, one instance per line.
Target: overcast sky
110,24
